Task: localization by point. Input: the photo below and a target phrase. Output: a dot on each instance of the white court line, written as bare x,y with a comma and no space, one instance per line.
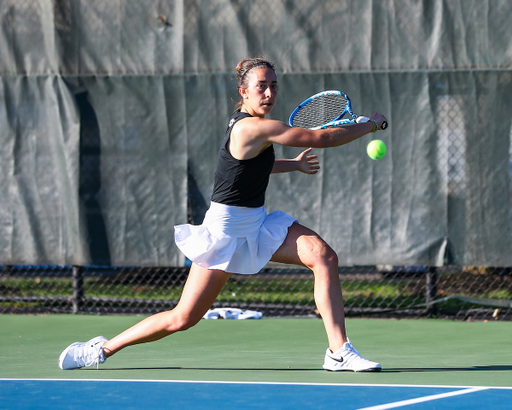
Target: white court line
422,399
427,386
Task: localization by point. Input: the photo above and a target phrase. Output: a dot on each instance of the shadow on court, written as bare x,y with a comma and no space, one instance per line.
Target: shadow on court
493,368
230,369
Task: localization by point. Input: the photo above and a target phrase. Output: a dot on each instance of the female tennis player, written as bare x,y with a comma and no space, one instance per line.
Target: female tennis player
238,236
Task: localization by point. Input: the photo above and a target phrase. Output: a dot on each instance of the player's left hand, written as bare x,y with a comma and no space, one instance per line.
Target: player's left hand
308,164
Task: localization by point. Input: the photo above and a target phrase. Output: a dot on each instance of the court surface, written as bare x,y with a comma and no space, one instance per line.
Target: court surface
268,363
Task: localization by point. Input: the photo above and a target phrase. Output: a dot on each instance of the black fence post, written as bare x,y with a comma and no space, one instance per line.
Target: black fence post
431,291
78,288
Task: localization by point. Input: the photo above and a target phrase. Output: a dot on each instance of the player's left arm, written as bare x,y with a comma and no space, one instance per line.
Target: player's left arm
305,163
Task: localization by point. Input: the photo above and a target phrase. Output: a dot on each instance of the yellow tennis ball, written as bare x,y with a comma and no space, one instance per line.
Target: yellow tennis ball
376,149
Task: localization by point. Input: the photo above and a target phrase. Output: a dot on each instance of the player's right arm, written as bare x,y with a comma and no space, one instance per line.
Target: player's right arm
331,137
251,136
276,132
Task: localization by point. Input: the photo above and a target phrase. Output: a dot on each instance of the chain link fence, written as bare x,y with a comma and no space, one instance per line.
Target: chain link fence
143,39
450,291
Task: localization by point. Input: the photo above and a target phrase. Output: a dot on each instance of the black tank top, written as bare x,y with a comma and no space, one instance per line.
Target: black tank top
241,182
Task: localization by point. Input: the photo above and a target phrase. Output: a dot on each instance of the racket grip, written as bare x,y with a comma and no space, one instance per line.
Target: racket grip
366,119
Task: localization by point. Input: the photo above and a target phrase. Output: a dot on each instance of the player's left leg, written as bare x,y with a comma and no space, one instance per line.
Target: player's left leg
304,247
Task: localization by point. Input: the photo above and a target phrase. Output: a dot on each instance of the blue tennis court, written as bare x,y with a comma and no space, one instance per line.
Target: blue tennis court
268,363
110,394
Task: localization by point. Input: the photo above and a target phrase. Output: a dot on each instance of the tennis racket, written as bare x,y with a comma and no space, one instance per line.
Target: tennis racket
326,110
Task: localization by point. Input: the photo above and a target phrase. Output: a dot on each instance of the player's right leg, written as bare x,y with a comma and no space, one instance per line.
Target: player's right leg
200,291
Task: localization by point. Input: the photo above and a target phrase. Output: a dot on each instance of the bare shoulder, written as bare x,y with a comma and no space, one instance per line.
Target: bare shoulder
261,128
261,132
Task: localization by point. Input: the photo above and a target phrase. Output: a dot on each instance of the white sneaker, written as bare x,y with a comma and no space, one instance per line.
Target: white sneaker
81,354
348,359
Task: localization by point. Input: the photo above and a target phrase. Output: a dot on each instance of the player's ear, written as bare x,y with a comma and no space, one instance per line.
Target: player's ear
243,92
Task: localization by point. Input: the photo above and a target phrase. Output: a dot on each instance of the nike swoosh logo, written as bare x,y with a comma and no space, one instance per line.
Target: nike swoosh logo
340,360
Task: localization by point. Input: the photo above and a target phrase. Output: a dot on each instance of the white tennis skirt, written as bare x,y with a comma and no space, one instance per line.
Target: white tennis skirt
234,239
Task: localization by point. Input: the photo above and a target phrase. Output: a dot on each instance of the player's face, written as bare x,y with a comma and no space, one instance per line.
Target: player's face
260,95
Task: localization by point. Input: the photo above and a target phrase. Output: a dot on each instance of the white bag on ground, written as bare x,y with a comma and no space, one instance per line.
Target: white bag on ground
232,313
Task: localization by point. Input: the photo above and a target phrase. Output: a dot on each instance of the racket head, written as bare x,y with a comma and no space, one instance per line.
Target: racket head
321,109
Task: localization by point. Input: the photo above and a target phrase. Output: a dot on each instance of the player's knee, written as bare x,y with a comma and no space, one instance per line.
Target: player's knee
330,258
322,256
180,322
186,324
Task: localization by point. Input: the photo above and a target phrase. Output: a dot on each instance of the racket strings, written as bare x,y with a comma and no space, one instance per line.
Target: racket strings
319,111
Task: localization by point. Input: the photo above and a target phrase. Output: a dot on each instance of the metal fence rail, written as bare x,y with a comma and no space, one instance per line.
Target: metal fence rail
384,291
